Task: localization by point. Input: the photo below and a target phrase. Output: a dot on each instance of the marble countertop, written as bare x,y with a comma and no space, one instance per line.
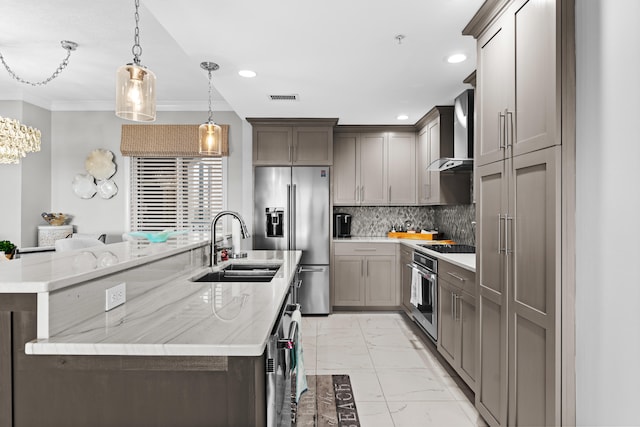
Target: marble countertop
466,261
49,271
184,318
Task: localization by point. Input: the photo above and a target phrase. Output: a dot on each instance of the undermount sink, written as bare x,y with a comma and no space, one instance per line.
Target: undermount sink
240,273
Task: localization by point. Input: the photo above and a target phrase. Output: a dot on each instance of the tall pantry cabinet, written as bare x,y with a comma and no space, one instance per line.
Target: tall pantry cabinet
519,105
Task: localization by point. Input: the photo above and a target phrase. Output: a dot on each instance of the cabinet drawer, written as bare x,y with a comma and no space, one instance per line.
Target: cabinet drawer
457,276
364,249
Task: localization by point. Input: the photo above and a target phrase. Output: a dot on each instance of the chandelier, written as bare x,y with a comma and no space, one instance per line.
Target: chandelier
16,140
67,45
136,85
210,134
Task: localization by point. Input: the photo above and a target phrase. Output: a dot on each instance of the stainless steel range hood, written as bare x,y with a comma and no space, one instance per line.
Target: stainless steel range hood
462,159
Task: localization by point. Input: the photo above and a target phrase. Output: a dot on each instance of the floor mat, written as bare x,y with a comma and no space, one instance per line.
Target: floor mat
328,402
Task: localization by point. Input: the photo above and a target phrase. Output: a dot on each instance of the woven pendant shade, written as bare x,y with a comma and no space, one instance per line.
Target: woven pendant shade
166,141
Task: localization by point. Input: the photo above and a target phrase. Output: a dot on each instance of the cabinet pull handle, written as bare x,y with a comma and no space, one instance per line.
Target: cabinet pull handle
462,279
289,153
362,193
453,306
499,233
509,135
507,250
365,249
389,193
367,267
456,315
362,267
501,133
295,152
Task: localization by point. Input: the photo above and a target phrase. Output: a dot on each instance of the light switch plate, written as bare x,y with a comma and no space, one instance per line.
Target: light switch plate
115,296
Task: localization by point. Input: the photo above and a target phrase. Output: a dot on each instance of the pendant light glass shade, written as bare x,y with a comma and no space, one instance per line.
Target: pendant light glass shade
209,133
210,136
136,93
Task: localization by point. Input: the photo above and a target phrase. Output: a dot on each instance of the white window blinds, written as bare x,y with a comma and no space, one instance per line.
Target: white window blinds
175,192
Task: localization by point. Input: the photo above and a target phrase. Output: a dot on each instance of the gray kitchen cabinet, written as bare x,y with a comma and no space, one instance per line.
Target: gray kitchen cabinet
348,280
365,274
374,168
405,277
401,172
360,164
524,86
302,142
435,140
519,286
518,83
457,335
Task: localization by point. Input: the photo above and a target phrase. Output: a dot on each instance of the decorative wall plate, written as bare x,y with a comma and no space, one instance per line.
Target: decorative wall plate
100,164
84,186
107,188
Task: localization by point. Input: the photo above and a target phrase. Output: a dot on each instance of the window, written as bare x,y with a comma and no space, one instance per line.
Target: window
175,192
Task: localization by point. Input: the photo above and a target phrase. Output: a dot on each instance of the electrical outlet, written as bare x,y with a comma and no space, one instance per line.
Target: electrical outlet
115,296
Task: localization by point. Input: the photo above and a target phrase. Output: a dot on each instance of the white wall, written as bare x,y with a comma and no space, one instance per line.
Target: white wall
608,213
76,134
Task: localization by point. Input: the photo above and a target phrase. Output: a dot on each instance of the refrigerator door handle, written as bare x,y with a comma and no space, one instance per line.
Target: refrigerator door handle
288,213
292,246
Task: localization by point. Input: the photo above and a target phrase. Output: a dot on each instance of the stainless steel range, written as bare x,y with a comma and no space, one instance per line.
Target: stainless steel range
451,249
424,293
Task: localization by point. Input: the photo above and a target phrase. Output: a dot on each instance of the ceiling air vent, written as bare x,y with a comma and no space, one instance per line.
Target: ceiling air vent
283,97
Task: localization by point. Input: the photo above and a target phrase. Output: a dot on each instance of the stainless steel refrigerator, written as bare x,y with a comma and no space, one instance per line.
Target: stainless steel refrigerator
291,212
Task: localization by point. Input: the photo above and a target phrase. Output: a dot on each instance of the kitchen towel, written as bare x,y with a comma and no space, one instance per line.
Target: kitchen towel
301,376
416,288
235,236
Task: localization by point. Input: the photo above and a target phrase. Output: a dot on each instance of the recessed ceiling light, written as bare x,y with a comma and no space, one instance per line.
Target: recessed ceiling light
247,73
458,57
402,117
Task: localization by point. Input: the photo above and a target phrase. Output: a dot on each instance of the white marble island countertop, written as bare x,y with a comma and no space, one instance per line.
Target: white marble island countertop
50,271
185,318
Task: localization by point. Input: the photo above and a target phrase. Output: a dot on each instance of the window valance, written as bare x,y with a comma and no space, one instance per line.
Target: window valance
165,140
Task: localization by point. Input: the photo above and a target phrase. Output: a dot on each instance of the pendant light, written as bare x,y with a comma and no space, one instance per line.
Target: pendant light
136,85
210,134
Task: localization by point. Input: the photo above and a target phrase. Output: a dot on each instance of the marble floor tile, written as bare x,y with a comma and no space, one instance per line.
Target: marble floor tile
343,357
380,321
340,337
428,414
391,339
412,385
399,358
309,326
374,414
338,321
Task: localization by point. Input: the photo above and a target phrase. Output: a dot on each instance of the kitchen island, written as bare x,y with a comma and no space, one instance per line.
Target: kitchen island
176,352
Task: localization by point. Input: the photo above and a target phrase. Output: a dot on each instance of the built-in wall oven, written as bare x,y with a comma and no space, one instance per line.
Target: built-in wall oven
424,293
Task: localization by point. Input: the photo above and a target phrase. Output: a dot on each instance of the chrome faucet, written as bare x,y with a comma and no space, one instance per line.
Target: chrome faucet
214,247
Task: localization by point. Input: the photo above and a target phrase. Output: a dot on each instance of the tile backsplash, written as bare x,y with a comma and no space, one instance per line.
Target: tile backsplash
454,222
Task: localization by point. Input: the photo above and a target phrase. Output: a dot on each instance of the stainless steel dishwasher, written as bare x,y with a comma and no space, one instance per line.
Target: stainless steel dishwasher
279,367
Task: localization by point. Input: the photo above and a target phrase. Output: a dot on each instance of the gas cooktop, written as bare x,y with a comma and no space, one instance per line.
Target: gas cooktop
451,249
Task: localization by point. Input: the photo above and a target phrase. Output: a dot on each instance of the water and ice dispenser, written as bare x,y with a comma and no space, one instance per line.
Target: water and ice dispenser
275,222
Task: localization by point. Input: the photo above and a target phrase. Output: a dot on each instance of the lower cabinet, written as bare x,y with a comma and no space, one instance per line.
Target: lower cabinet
457,334
365,274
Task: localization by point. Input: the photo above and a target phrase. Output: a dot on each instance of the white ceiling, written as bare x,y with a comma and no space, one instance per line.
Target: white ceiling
339,56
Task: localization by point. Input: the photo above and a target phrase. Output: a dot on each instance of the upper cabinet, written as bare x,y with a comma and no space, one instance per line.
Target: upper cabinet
299,142
374,168
435,140
518,82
